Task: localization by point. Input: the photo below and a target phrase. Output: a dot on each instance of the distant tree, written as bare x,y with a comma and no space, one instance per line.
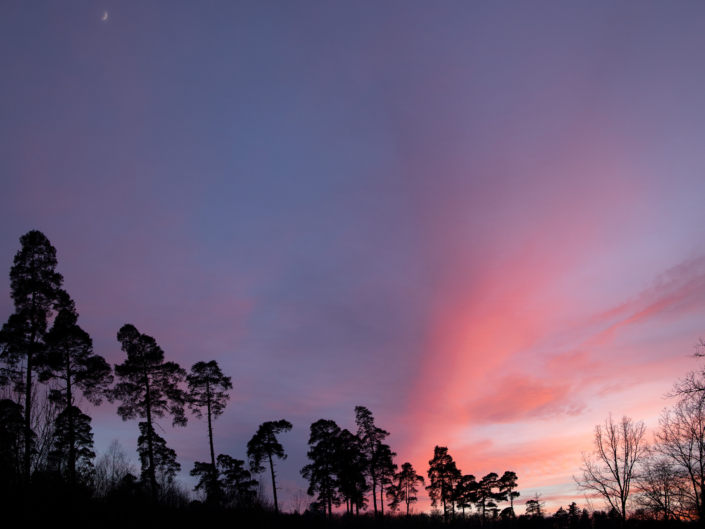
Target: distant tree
208,481
486,495
466,492
237,483
443,474
561,518
386,469
162,465
72,450
207,387
148,388
11,442
574,513
404,488
609,471
585,522
71,362
350,469
34,285
321,472
534,507
264,446
371,438
507,483
110,468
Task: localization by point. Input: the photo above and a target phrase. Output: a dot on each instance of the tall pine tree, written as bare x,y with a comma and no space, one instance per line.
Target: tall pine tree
71,362
404,489
207,391
148,389
321,471
442,474
371,439
35,286
264,446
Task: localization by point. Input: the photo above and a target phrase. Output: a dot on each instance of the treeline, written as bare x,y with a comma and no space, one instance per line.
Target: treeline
46,440
48,365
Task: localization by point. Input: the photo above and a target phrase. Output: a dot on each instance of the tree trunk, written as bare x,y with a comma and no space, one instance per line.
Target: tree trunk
407,499
150,445
72,434
27,417
214,476
28,392
274,484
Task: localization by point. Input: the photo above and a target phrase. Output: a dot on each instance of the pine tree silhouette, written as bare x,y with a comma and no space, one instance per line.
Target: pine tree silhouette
35,287
148,389
264,446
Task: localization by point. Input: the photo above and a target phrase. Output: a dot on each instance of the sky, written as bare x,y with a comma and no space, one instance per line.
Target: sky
483,221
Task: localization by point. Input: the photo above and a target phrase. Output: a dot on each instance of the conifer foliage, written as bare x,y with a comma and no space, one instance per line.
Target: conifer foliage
237,483
207,387
321,472
11,442
70,361
443,474
162,464
35,287
148,389
72,451
264,447
404,488
372,442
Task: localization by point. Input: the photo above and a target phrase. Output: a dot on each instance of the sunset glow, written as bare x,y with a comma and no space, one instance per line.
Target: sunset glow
483,222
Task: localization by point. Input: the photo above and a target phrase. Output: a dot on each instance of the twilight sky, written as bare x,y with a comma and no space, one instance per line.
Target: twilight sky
483,221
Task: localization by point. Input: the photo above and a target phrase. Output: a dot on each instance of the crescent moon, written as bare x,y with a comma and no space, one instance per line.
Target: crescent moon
105,16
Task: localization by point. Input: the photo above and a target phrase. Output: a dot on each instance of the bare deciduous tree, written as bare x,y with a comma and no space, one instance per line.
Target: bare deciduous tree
111,467
681,441
299,501
610,470
659,487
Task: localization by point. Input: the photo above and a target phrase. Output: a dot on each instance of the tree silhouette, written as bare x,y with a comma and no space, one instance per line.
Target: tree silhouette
466,492
34,285
662,485
70,361
507,484
321,472
535,507
237,483
148,389
442,474
404,487
386,469
11,442
162,464
371,437
265,446
73,445
485,494
610,470
207,389
680,441
351,466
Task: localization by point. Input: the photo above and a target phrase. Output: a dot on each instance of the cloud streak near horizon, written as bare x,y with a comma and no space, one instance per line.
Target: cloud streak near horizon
482,222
